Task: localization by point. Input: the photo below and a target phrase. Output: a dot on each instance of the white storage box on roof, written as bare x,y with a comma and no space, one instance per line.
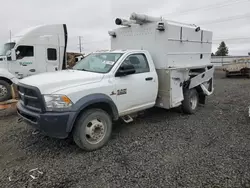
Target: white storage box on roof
171,44
181,54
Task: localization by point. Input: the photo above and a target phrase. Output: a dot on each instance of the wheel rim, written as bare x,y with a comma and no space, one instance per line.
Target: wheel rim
3,91
95,131
193,101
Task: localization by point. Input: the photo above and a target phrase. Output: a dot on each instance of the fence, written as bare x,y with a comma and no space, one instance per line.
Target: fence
220,60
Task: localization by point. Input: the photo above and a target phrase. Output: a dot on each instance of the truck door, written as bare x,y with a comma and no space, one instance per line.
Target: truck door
25,62
52,59
137,91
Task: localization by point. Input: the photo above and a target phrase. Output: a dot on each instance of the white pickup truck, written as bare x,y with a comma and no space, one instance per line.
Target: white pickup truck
163,64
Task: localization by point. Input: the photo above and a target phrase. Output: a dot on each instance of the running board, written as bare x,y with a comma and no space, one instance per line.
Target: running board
127,119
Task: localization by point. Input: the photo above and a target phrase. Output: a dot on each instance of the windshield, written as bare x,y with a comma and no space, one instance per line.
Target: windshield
4,48
98,62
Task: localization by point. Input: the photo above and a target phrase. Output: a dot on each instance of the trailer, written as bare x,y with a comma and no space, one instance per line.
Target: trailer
238,67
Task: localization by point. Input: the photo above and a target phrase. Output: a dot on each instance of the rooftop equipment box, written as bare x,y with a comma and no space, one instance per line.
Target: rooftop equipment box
171,44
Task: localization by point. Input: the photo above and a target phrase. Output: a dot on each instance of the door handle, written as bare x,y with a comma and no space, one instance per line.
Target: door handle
149,78
32,70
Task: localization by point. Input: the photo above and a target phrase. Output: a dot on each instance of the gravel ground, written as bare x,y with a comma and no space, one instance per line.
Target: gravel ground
160,149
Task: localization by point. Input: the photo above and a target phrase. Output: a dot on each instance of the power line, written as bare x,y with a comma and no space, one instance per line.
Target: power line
80,44
233,42
236,38
208,7
98,41
226,19
230,39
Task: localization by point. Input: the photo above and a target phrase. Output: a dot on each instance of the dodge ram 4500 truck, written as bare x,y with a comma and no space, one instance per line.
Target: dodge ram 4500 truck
160,63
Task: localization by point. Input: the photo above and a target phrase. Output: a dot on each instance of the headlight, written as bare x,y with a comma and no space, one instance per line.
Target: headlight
57,102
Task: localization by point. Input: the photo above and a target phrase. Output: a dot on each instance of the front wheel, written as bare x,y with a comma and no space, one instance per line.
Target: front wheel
190,102
93,129
5,91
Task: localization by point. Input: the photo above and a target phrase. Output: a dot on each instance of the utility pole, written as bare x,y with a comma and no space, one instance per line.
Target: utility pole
80,44
10,35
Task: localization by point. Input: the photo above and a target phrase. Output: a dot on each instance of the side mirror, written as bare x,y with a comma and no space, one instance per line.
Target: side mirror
13,54
125,70
8,53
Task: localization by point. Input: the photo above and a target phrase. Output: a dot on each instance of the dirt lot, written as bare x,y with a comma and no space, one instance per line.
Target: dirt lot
161,149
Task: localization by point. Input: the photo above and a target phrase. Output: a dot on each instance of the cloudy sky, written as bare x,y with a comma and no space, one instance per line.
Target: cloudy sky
91,19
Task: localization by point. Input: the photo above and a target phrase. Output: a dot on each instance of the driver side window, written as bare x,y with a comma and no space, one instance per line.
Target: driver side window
25,51
139,61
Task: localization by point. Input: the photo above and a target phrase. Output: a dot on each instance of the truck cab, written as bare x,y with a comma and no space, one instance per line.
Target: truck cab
120,82
34,50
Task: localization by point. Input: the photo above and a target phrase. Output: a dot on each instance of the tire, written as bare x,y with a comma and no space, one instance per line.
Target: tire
5,91
93,129
248,73
190,102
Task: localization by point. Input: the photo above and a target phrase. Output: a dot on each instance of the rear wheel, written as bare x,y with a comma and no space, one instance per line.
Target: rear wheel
190,102
5,91
93,129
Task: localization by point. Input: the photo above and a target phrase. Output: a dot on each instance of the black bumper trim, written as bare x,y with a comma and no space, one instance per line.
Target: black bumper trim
53,124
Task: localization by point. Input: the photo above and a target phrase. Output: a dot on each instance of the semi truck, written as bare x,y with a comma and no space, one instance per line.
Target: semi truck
152,62
32,51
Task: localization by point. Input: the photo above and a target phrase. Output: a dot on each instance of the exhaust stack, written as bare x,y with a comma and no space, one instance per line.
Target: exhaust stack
124,22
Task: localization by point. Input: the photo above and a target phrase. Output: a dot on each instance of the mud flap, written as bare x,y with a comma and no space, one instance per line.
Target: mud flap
203,77
202,99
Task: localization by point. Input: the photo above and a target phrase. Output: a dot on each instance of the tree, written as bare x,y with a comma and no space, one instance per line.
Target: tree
222,50
212,54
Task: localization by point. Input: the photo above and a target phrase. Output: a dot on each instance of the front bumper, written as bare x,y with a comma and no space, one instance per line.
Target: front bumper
56,124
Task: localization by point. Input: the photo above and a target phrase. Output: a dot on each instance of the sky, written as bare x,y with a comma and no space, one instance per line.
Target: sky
92,19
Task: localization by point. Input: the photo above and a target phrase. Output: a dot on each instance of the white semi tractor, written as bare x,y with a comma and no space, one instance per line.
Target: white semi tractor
152,62
34,50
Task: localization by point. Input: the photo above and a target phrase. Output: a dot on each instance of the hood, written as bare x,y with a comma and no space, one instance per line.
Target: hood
51,82
3,61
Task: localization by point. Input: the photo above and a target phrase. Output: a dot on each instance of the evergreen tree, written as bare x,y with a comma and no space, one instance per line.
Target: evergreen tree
222,50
